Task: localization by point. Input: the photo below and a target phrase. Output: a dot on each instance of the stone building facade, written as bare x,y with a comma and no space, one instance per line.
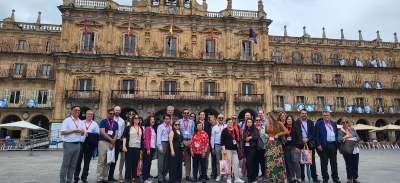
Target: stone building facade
208,63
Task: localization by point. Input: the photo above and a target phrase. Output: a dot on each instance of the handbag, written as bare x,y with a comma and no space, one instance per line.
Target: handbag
306,156
224,166
283,139
110,155
311,142
240,153
260,144
347,147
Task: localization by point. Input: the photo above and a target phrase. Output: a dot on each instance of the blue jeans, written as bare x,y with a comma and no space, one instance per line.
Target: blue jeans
94,154
147,163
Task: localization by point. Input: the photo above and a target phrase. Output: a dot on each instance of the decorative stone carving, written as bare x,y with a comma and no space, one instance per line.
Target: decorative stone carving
129,68
186,52
170,70
210,71
157,52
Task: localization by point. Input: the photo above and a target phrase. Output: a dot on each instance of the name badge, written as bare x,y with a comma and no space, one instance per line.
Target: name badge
272,138
110,132
234,142
197,144
186,133
332,134
137,141
352,138
247,144
289,139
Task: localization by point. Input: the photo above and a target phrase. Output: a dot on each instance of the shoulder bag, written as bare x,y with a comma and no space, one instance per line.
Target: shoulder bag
347,147
311,142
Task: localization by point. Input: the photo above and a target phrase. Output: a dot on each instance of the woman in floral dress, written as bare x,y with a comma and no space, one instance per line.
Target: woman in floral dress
275,162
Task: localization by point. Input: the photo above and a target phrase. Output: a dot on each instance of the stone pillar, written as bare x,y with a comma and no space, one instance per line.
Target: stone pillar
230,101
105,88
392,136
372,135
59,90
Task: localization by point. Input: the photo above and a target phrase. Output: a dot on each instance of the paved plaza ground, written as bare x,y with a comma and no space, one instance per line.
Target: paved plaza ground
376,166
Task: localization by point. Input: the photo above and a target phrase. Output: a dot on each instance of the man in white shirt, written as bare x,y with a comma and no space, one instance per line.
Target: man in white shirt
88,144
216,141
118,143
71,130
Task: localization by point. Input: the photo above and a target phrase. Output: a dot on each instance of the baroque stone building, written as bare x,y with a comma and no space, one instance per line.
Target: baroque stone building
205,62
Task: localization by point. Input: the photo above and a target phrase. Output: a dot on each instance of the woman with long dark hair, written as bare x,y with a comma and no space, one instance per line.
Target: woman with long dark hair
132,144
292,149
198,149
149,147
175,145
250,137
128,121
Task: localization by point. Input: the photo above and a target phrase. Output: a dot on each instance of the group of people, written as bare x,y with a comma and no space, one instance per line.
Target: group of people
267,143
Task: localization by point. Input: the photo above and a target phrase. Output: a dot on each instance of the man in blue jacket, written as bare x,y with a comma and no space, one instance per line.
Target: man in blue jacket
327,146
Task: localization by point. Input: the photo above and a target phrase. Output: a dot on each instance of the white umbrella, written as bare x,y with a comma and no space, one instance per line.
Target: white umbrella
387,128
20,125
364,127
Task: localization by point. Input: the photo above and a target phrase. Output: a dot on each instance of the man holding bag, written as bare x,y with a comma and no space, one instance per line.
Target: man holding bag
107,138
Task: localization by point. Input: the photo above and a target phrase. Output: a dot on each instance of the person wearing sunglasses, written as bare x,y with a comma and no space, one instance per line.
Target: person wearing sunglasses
118,144
260,152
187,128
198,149
150,147
176,147
237,128
163,147
351,160
207,129
216,142
107,138
292,149
250,138
129,121
192,116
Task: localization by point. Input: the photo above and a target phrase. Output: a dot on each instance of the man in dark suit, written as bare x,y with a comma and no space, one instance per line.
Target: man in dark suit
327,146
207,129
308,134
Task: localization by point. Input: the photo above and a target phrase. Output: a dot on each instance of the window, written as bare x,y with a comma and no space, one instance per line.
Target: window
170,2
296,57
45,70
170,46
316,58
279,101
320,102
335,58
42,97
128,86
338,80
47,46
187,4
88,41
209,88
14,97
169,87
299,99
247,89
85,84
277,56
22,45
156,2
210,48
246,49
378,102
360,101
397,104
318,79
19,69
340,102
129,44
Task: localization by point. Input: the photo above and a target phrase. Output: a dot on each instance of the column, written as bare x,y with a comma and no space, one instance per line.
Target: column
59,90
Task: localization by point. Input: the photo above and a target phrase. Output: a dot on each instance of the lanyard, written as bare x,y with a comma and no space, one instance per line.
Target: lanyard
329,126
167,129
289,130
232,134
185,124
259,129
109,124
76,124
247,133
303,127
220,127
347,131
87,127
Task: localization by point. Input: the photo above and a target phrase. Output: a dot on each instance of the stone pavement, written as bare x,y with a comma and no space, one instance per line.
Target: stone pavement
376,166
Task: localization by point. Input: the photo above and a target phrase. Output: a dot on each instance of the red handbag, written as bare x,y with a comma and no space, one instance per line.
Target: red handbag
240,154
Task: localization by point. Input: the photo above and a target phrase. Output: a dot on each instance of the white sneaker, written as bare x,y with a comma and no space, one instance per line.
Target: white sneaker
237,180
218,179
228,181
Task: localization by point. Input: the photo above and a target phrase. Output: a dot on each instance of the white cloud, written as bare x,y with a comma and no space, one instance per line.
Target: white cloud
349,15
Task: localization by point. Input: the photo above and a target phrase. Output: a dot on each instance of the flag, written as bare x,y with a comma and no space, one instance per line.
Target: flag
170,25
253,35
129,29
84,26
212,34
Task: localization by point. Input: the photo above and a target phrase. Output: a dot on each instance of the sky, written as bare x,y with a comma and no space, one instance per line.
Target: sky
349,15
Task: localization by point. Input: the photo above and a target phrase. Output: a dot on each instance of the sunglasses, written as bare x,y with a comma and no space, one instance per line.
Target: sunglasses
111,113
258,120
233,118
192,116
185,113
176,124
136,118
345,122
131,114
77,110
220,118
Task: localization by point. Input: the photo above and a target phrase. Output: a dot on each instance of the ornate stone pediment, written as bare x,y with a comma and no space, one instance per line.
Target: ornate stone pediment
174,29
246,75
85,69
90,23
244,32
208,31
170,73
126,24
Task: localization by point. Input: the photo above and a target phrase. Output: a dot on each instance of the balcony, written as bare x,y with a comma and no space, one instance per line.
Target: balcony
87,95
310,83
29,74
184,96
249,98
380,110
29,48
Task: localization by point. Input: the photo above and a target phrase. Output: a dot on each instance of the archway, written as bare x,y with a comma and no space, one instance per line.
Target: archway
12,133
82,115
159,114
379,134
125,111
397,132
339,121
41,121
363,134
243,112
208,112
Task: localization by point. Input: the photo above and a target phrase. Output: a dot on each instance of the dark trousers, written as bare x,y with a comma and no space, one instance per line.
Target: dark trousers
260,160
329,153
352,165
213,165
313,168
117,147
131,163
196,160
147,158
251,163
86,155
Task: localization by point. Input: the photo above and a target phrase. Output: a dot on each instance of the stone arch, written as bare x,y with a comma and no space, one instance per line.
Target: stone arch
253,113
12,133
381,134
7,114
363,134
211,111
34,115
364,121
339,121
90,106
161,111
41,120
82,115
397,122
126,110
381,122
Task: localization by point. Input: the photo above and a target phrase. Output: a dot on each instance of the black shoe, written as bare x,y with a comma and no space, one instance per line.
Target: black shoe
194,180
325,180
337,181
112,179
207,178
203,181
150,176
84,181
76,181
155,177
315,180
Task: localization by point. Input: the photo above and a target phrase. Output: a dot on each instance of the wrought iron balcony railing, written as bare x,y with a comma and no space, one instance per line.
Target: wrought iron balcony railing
249,98
167,95
28,48
27,74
